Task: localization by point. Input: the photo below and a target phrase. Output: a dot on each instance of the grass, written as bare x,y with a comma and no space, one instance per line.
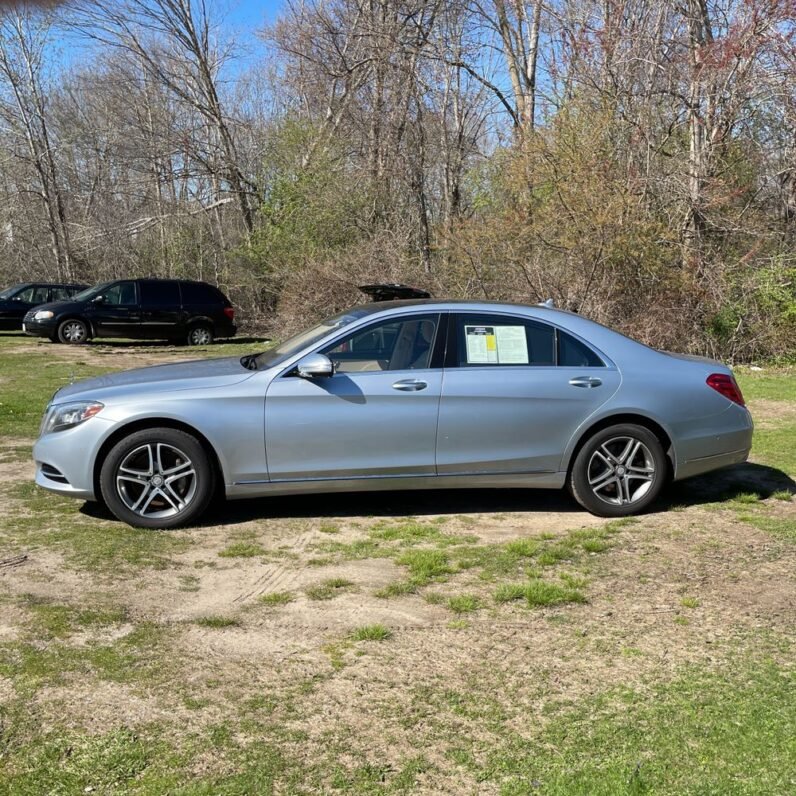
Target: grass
277,598
538,593
242,550
371,633
464,603
328,589
509,723
217,622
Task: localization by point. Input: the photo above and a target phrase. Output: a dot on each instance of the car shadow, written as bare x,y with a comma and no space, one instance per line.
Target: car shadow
716,487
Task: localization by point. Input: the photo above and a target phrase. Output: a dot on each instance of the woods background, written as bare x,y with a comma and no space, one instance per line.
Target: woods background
634,160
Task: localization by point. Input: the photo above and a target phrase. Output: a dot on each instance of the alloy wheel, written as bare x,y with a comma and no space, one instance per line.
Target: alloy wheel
621,471
73,332
156,480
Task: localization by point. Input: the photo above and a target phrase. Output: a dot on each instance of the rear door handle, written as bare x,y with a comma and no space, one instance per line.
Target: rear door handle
585,381
410,385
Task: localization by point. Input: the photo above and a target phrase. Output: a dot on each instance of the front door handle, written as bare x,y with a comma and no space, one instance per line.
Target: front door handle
410,385
585,381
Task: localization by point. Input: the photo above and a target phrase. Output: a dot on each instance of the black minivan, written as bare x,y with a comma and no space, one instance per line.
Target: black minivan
142,309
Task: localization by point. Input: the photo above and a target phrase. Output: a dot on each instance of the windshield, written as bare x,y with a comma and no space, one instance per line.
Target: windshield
90,292
306,338
10,291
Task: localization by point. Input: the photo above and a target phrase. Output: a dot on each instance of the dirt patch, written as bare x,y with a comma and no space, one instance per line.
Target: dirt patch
769,414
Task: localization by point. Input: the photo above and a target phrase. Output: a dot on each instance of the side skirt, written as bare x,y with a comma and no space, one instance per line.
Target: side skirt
386,484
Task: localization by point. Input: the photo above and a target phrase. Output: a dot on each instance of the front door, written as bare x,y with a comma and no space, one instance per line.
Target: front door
117,314
515,392
375,417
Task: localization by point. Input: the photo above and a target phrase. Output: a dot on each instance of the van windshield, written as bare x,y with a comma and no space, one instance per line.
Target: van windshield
90,292
306,338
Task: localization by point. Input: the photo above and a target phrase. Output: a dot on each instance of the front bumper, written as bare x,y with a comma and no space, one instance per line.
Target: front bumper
65,459
39,328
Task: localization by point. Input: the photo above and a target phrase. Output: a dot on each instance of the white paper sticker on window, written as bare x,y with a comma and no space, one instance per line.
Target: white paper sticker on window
512,345
481,345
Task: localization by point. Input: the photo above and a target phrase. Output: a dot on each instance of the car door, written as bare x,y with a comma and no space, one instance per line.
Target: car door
507,406
116,312
161,308
375,417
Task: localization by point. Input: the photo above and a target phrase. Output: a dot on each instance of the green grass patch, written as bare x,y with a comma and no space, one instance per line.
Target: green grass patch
277,598
464,603
242,550
217,622
375,632
538,593
783,527
328,589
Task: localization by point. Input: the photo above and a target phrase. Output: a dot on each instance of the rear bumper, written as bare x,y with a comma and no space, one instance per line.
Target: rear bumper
713,442
226,330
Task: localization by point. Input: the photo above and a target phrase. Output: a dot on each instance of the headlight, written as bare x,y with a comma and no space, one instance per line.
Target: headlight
65,416
43,315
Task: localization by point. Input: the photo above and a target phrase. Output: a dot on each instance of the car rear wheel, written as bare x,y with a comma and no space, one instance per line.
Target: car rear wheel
619,471
157,478
200,335
73,331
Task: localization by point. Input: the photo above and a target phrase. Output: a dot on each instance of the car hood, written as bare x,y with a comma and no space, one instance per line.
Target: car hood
197,374
59,307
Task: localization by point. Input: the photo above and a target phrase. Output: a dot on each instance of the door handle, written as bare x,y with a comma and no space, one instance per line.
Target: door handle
585,381
410,385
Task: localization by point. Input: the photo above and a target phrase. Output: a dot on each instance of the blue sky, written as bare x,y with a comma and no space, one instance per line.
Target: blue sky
252,14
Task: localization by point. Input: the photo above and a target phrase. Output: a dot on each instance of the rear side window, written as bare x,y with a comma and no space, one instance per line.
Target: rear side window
60,293
33,295
486,340
574,354
199,293
160,294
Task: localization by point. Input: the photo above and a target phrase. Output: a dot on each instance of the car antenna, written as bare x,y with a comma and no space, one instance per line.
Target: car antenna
549,304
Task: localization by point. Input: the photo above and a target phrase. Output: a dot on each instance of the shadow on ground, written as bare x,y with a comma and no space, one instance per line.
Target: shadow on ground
712,488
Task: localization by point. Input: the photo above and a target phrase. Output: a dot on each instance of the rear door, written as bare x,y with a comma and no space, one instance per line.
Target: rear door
118,313
161,308
514,394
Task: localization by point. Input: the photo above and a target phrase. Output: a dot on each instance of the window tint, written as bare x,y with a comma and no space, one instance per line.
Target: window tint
61,293
485,340
198,293
32,295
573,354
121,294
159,294
400,344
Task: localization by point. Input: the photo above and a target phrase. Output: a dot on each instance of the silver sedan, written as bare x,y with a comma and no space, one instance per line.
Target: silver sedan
399,395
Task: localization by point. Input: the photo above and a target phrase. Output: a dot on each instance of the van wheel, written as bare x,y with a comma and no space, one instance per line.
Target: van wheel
200,335
157,478
73,331
619,471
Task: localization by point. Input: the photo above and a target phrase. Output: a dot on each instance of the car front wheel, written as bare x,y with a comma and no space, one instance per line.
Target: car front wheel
619,471
157,478
73,331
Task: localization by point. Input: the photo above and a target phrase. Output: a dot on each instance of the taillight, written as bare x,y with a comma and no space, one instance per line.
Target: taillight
230,313
727,386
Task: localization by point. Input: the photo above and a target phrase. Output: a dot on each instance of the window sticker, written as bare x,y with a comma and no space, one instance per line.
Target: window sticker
496,345
512,345
481,345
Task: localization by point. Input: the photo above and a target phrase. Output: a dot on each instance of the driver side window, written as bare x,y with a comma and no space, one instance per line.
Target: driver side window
122,294
395,344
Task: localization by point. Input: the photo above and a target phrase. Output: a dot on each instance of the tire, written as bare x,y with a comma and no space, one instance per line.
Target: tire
73,331
619,471
157,478
201,334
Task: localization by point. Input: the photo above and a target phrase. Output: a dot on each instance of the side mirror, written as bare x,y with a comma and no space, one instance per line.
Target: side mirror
315,366
98,300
